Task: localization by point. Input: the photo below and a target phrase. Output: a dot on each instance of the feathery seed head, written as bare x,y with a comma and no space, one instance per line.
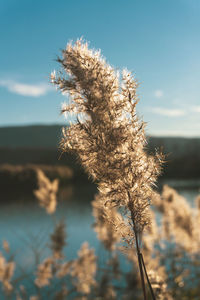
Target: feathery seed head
110,138
46,192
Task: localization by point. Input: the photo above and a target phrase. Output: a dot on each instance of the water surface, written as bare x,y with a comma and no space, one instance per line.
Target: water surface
27,227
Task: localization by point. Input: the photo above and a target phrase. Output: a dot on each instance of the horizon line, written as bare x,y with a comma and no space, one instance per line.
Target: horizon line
149,134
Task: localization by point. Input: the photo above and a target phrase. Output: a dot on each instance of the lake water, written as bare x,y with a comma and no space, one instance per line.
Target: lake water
27,227
23,222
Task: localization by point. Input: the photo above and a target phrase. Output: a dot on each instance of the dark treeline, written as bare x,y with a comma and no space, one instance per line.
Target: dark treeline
33,136
39,145
182,156
22,179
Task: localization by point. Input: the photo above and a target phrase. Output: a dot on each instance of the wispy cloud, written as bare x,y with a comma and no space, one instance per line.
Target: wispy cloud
30,90
168,112
175,133
158,94
195,108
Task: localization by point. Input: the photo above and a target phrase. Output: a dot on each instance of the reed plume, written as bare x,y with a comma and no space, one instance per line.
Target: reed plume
46,192
107,135
58,242
180,221
6,273
44,272
83,269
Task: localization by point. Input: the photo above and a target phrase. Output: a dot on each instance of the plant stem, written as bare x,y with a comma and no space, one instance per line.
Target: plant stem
140,263
137,248
149,283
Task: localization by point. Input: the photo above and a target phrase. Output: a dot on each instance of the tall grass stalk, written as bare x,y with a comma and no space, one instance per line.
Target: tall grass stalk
107,135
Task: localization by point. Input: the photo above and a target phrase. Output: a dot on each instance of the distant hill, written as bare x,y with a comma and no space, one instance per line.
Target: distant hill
176,146
33,136
39,145
48,136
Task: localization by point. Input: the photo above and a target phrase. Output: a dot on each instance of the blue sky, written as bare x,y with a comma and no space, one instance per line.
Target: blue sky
158,40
